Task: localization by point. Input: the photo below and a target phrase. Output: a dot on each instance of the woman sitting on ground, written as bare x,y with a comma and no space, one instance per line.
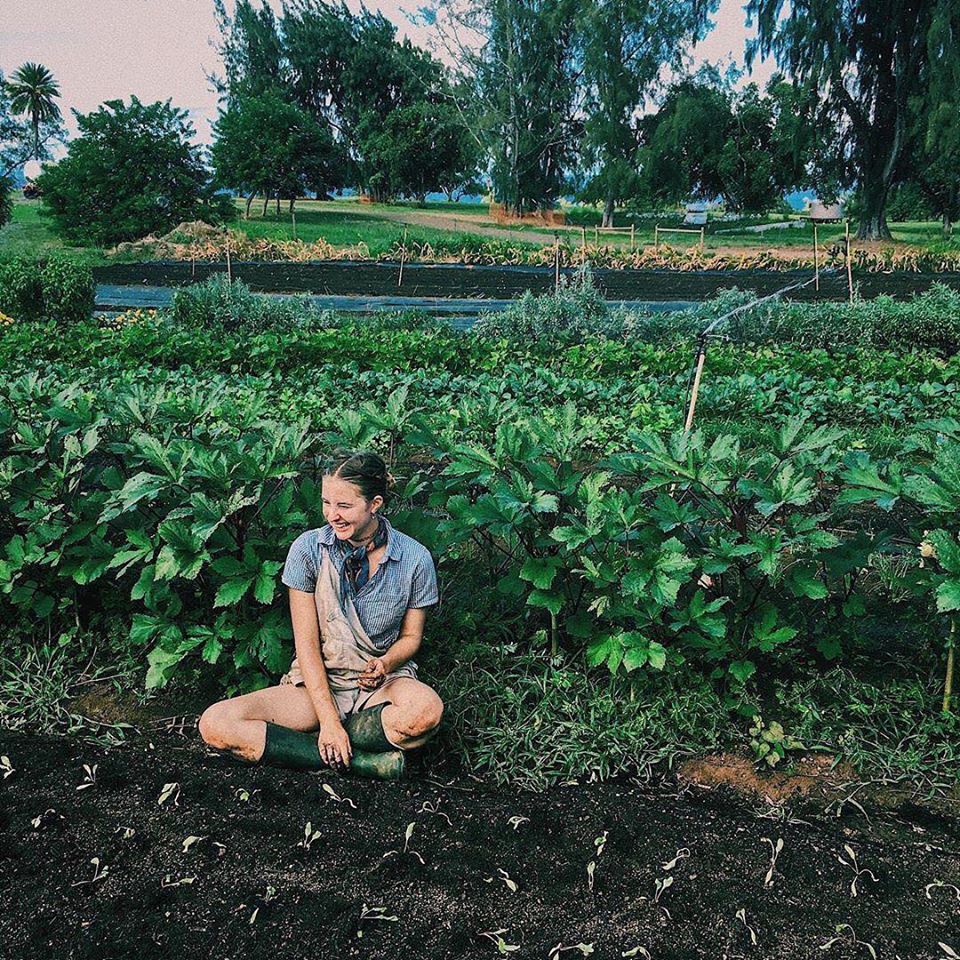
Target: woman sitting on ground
359,590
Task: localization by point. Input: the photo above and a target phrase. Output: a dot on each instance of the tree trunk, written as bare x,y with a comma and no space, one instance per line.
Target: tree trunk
608,212
266,200
293,200
873,216
246,215
278,206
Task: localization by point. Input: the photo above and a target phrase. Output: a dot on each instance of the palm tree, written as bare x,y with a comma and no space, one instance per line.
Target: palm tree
33,91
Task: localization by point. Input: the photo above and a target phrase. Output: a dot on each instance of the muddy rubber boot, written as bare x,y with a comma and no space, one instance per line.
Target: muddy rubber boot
373,754
284,747
386,765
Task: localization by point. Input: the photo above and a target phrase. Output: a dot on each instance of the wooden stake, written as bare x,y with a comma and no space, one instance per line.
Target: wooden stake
633,237
193,267
556,263
948,680
583,236
816,260
703,238
656,239
403,257
229,266
849,266
293,221
701,359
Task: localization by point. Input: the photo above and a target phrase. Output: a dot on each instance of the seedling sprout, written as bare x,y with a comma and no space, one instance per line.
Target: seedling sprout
851,938
937,884
336,796
126,833
373,913
948,952
585,949
6,766
637,952
742,917
100,870
516,821
170,791
682,854
89,778
775,849
38,820
854,866
429,807
599,843
190,841
497,937
505,877
407,834
168,881
309,835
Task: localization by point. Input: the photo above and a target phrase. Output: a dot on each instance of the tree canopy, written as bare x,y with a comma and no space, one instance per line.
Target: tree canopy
132,170
868,63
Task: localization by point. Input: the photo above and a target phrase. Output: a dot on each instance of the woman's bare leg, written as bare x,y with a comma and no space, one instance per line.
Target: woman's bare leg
412,714
240,723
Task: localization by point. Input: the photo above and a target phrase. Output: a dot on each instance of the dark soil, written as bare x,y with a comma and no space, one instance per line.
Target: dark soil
250,889
507,282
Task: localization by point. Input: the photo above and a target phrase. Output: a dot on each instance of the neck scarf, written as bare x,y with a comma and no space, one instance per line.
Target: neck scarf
356,562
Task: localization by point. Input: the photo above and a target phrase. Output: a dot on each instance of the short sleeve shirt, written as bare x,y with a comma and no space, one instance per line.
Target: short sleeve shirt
405,578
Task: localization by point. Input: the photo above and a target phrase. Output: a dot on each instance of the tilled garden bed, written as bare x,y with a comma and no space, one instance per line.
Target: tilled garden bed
363,278
92,864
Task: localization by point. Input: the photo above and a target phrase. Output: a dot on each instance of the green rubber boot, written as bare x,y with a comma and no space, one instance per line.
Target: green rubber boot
373,754
284,747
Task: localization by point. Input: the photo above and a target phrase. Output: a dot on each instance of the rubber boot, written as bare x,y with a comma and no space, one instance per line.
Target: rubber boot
373,754
284,747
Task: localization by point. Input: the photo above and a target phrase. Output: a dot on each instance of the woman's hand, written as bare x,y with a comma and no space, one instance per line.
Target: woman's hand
334,744
374,674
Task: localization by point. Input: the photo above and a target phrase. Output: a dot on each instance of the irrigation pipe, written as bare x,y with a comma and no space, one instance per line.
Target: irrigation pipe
701,351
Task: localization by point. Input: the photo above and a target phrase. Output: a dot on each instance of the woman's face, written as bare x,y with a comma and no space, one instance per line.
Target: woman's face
345,508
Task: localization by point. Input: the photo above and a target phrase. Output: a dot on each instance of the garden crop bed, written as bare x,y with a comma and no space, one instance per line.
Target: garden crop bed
507,282
159,847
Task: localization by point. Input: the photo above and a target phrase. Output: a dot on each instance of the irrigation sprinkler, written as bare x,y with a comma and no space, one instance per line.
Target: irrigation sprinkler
709,333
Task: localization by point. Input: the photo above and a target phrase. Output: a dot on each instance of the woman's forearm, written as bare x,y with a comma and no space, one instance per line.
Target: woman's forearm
399,652
306,636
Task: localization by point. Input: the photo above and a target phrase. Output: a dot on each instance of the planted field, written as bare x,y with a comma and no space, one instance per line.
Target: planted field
780,586
186,855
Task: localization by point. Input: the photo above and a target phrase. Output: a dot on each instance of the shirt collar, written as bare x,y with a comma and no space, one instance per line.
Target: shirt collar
394,550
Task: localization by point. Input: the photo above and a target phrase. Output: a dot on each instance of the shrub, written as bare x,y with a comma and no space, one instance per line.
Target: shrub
216,303
52,288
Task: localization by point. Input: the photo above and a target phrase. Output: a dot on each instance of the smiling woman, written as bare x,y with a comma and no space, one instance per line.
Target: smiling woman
359,590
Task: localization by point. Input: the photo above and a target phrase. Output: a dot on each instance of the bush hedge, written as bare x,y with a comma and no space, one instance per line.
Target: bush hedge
53,288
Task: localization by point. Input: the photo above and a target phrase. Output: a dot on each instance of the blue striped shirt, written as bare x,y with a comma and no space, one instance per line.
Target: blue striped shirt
405,578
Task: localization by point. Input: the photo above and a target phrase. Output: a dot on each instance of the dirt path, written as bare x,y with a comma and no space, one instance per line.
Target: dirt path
95,864
457,223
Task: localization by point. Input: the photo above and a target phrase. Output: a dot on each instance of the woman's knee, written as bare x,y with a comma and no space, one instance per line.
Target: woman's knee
217,723
422,716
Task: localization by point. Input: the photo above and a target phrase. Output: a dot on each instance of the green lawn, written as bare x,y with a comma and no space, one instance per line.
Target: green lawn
347,223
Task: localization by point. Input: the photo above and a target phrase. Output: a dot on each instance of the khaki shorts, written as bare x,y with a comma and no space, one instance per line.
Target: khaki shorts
350,700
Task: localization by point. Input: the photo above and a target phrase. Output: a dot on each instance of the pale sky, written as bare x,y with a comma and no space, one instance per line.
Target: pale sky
108,49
